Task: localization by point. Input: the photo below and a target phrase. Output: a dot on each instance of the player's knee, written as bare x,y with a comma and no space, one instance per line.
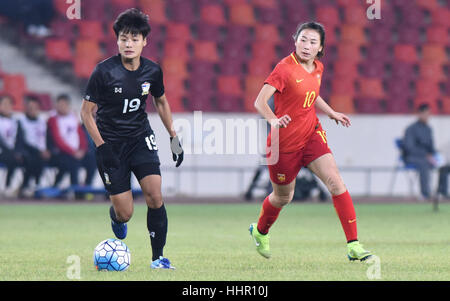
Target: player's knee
153,200
335,184
124,215
281,200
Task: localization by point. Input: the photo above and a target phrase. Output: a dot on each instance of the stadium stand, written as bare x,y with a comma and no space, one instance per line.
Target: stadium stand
236,41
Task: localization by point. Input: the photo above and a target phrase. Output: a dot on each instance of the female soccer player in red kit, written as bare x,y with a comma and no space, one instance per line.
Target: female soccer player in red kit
300,139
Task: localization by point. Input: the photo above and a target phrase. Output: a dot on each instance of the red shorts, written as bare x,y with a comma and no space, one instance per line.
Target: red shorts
286,169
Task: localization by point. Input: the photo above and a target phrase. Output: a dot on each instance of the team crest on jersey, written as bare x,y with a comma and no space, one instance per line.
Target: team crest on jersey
145,88
281,177
318,78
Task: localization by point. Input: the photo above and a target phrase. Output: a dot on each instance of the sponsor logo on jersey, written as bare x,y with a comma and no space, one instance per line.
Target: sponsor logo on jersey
145,88
117,90
107,181
281,177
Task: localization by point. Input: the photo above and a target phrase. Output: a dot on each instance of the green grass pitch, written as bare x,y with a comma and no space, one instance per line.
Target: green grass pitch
211,242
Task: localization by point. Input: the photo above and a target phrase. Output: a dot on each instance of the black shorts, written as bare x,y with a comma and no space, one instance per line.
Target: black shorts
137,155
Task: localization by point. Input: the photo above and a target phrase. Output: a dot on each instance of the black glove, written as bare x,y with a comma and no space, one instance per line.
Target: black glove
177,150
109,159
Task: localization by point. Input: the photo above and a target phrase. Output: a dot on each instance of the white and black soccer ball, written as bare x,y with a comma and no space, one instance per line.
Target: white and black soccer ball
112,255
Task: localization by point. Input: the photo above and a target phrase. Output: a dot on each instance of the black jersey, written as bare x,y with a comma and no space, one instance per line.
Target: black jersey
121,94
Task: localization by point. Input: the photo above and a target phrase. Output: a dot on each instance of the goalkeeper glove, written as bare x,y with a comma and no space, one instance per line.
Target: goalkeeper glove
177,150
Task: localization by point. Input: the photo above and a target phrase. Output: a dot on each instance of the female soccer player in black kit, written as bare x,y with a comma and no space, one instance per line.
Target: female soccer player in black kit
118,88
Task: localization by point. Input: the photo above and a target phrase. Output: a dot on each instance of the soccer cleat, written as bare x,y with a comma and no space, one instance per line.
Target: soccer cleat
161,263
119,229
261,241
357,252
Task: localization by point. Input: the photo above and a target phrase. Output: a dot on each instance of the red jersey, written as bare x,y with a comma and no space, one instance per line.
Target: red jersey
297,90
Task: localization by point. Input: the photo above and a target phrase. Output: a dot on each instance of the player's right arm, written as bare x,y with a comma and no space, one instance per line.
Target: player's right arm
87,116
262,106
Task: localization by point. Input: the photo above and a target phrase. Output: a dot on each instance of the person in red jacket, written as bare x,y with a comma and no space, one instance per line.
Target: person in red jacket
67,140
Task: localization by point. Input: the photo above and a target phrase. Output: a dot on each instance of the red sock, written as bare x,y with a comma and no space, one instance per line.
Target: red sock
268,216
346,212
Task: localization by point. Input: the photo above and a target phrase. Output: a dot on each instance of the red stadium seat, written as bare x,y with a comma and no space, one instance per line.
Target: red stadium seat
438,35
446,105
259,67
175,66
267,33
398,105
266,15
253,84
264,3
432,71
343,86
431,101
207,31
370,88
206,50
83,66
63,29
434,53
353,34
176,48
242,14
263,51
202,68
426,89
230,85
231,67
369,106
200,102
178,31
229,103
355,15
345,69
94,10
91,29
349,51
406,53
14,85
342,103
88,48
155,9
249,103
58,50
213,14
181,11
441,16
329,16
428,4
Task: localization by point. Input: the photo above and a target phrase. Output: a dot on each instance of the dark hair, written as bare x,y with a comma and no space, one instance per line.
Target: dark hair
64,97
315,26
132,21
31,98
423,107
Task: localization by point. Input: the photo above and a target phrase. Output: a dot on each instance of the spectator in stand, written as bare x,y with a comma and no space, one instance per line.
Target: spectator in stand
11,142
34,145
67,141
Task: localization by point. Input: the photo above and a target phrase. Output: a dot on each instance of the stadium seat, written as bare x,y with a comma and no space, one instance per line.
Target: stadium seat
413,16
405,53
381,52
61,7
249,102
200,102
355,15
181,11
213,14
201,68
446,105
430,5
238,34
175,91
398,105
175,66
426,89
403,70
441,17
150,51
253,84
263,51
259,67
229,103
381,35
63,29
207,31
231,67
434,53
432,71
207,85
431,101
45,100
14,85
155,9
399,88
83,66
349,51
438,35
235,52
58,50
409,35
91,29
176,49
242,14
351,33
345,69
94,10
88,49
206,50
328,15
368,106
178,31
266,15
373,69
229,85
267,33
264,3
342,103
343,86
370,88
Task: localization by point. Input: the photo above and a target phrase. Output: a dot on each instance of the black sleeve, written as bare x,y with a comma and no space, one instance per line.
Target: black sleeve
157,88
94,86
20,139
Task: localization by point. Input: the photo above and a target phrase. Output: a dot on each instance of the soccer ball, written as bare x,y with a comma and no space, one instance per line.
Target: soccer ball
112,255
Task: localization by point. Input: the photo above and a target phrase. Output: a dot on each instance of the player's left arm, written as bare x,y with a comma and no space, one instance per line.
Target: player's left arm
336,116
163,108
